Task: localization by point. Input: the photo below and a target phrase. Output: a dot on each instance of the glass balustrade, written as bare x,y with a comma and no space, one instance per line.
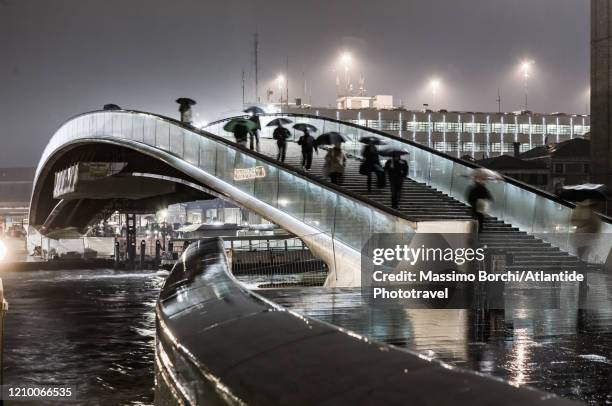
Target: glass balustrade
530,211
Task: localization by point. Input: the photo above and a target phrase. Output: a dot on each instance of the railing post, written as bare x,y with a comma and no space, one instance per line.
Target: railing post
143,246
157,252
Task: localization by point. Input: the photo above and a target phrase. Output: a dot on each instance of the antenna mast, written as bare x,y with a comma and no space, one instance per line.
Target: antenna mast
287,79
243,88
498,100
256,51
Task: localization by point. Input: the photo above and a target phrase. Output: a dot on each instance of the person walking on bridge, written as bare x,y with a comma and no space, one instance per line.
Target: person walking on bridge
281,134
478,197
397,171
371,164
241,133
254,133
308,144
335,162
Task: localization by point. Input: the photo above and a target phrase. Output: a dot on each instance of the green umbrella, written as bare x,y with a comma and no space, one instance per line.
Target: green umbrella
234,122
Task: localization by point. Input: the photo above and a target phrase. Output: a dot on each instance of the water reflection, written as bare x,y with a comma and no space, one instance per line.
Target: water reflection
90,328
566,351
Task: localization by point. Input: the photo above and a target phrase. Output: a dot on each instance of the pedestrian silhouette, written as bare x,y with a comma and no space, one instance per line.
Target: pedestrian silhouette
397,170
478,197
254,133
281,134
307,142
241,133
371,165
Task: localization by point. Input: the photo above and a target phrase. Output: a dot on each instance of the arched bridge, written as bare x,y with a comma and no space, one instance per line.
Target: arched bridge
139,161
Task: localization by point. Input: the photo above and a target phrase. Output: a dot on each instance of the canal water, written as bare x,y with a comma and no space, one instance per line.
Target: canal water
91,328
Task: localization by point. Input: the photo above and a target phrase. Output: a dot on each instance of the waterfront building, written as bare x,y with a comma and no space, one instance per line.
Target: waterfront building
479,135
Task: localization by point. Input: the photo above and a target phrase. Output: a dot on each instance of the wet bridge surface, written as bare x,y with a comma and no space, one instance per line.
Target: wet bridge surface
564,351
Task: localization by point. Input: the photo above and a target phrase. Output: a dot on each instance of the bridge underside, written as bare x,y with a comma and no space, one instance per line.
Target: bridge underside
145,185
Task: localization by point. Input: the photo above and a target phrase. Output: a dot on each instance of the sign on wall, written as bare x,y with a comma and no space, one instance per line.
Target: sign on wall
249,173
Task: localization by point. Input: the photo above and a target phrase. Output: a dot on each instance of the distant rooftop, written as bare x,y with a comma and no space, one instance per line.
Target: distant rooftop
576,147
508,162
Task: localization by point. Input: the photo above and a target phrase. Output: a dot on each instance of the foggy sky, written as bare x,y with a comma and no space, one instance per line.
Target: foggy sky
63,57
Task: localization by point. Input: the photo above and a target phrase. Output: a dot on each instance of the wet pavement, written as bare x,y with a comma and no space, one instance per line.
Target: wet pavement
91,328
564,351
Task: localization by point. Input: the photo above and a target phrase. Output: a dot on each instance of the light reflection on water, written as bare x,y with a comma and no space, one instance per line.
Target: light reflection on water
90,328
564,351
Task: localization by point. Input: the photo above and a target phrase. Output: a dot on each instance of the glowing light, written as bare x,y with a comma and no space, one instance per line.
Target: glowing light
280,80
2,250
346,58
435,84
526,68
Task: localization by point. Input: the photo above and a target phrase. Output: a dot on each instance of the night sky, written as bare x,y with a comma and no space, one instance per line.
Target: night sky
63,57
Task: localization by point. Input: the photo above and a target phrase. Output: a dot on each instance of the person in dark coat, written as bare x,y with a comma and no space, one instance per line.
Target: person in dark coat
477,196
397,170
308,144
371,164
241,134
281,134
254,134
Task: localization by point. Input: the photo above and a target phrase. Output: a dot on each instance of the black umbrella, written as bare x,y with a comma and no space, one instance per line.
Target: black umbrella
254,110
278,121
330,138
393,151
185,101
578,193
305,127
372,141
111,106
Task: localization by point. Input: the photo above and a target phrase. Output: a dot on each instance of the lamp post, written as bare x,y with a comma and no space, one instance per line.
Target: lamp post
435,86
525,71
345,60
280,80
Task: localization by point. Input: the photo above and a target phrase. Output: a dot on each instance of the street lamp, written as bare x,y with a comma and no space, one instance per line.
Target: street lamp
526,71
435,86
346,59
280,80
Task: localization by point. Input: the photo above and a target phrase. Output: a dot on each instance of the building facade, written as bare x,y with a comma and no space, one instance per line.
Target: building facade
462,133
15,191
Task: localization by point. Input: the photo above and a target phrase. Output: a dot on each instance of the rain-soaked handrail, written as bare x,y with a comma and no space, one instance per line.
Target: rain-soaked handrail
218,342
